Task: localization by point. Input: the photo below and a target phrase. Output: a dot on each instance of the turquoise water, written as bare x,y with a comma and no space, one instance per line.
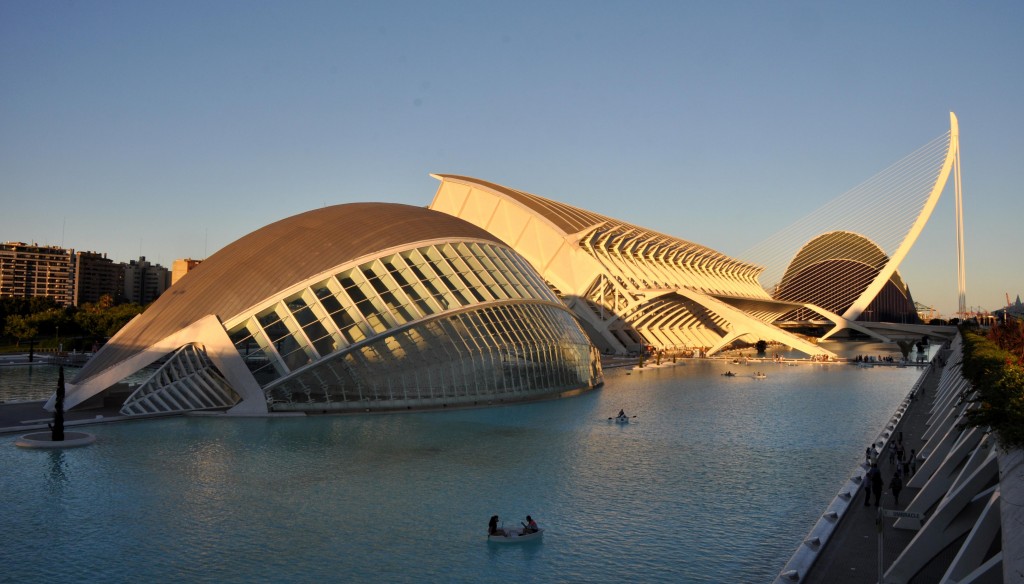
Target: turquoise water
31,382
716,480
39,381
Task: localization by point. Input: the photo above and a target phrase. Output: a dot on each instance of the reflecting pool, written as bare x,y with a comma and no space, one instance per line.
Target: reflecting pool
31,382
716,479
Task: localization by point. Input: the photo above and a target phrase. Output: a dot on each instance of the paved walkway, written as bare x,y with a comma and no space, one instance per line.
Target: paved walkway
851,555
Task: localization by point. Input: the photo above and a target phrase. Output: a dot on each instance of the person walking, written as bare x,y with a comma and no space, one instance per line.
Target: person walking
896,485
877,483
869,481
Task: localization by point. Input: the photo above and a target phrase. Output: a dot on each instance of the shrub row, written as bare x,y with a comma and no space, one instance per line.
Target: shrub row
994,366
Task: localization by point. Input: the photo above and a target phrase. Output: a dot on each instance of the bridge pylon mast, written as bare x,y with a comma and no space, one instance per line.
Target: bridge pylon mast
961,268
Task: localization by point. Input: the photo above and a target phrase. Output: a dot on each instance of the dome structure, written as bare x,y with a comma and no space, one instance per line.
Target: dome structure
834,270
356,307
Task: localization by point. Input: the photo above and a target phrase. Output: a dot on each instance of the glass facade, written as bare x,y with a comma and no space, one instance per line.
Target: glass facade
448,323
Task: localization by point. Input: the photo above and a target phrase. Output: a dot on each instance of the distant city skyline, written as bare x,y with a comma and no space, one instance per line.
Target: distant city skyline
169,131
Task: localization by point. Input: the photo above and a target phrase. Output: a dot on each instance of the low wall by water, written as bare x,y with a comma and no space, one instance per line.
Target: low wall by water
965,492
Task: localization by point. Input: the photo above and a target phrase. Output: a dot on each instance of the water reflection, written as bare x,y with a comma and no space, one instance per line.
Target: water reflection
57,478
38,381
700,488
31,382
513,551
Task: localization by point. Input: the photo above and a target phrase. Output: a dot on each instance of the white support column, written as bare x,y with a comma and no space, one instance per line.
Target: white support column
946,411
955,516
1011,488
936,453
935,485
966,566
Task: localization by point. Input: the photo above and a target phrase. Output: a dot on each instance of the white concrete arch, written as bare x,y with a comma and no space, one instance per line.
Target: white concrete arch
952,155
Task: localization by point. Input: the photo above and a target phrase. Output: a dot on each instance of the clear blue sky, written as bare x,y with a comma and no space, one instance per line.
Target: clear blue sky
170,129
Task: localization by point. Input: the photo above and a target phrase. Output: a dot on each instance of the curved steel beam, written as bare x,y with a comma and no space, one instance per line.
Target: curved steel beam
858,307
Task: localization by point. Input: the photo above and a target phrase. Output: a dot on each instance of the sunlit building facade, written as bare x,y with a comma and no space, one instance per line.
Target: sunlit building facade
96,276
630,287
182,266
144,282
358,307
28,270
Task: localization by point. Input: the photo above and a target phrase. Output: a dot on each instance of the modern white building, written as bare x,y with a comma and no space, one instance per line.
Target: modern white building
357,307
630,287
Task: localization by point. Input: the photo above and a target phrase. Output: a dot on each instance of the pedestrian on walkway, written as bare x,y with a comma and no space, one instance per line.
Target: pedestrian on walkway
892,452
896,485
867,483
867,455
913,462
877,483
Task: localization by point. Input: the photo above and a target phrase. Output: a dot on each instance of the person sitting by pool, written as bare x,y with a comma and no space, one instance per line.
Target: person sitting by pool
492,527
530,526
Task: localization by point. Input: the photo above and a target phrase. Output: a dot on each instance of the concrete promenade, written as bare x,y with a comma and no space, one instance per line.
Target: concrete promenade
851,554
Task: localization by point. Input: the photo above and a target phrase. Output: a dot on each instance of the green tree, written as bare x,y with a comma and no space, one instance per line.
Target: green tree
103,319
51,321
20,327
118,316
90,321
995,367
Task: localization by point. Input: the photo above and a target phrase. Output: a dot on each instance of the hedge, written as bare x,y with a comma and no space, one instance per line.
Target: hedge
997,373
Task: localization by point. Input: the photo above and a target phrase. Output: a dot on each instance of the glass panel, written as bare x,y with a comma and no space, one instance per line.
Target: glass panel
349,327
292,350
518,349
268,317
464,273
306,315
248,346
393,296
276,330
435,293
361,292
269,367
